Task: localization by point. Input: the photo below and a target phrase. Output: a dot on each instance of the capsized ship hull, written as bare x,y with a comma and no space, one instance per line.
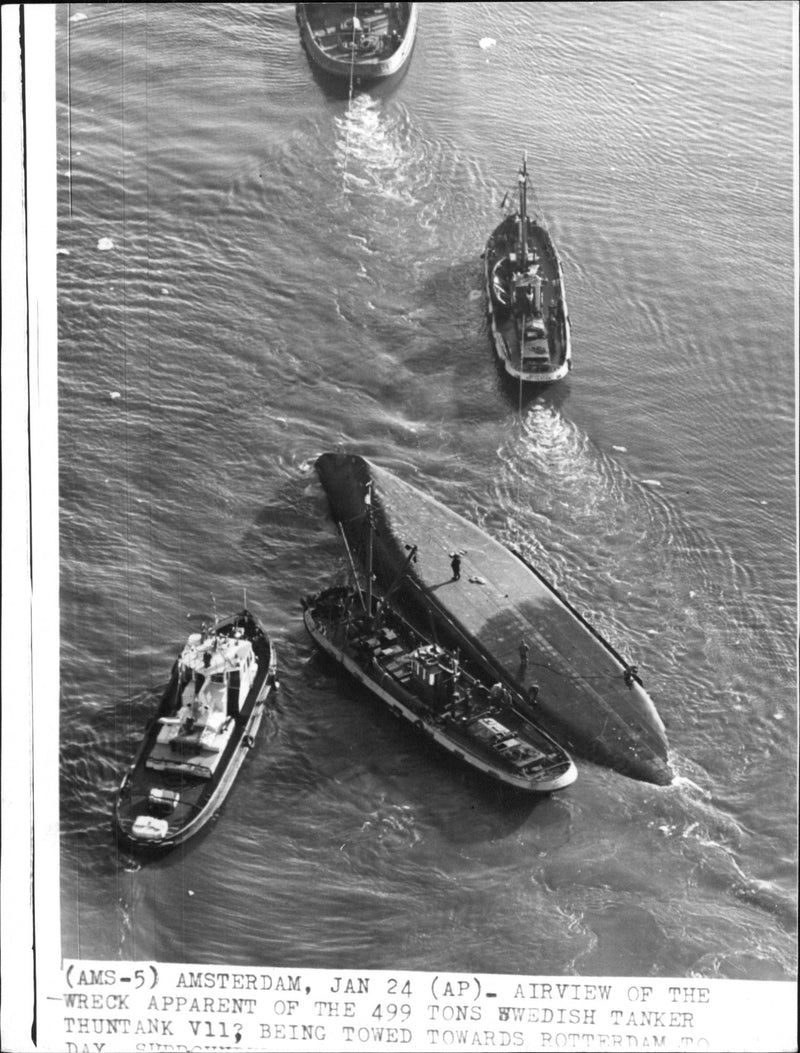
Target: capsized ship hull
588,698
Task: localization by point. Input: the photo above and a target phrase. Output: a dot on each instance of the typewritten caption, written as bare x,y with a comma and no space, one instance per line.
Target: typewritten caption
107,1007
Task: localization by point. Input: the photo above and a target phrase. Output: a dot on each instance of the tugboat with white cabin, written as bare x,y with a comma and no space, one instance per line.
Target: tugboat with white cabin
205,726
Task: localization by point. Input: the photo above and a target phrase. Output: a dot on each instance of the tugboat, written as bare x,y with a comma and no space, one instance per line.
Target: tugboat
359,42
206,723
480,722
526,304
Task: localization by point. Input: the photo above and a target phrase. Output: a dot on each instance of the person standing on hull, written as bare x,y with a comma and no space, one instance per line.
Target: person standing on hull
523,657
455,564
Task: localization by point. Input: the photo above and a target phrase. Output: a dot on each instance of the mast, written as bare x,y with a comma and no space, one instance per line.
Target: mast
352,566
368,503
523,213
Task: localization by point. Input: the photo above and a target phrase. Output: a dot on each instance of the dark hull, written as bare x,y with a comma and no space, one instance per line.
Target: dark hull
585,700
504,324
388,38
469,727
199,797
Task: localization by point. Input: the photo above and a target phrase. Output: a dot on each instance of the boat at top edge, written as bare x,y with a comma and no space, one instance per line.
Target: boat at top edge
195,745
526,303
362,42
592,701
476,720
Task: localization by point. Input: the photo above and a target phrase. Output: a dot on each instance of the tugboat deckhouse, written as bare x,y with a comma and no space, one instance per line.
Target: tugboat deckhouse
214,679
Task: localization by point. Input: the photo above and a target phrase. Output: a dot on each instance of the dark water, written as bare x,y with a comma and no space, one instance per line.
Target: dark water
288,275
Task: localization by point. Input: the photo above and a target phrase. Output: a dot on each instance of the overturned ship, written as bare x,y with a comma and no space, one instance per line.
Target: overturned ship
503,615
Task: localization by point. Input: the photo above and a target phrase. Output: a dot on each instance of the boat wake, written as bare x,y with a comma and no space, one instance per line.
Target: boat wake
581,516
711,842
377,154
392,826
555,488
387,831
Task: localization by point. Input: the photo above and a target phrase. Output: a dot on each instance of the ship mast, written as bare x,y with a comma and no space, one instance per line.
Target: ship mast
368,503
352,567
523,214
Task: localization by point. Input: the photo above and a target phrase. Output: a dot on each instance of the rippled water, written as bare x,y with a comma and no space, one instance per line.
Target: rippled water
251,271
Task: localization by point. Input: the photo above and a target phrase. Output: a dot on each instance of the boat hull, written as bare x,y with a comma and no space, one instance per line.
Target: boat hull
503,321
402,704
588,699
326,43
200,796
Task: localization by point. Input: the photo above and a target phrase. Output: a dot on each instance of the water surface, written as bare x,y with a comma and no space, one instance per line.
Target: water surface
252,271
